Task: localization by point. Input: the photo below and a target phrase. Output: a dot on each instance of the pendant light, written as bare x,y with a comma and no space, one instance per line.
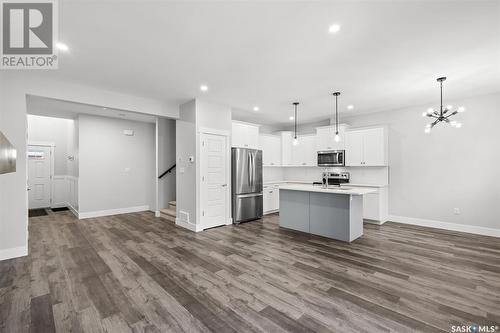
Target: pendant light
443,114
337,136
295,140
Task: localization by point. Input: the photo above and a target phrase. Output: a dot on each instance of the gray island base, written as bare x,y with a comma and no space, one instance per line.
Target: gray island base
332,213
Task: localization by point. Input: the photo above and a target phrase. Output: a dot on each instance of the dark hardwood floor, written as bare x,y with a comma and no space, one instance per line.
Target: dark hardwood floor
137,273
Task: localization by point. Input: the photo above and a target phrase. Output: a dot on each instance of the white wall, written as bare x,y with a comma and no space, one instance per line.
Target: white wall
166,158
431,174
195,115
117,172
186,171
14,87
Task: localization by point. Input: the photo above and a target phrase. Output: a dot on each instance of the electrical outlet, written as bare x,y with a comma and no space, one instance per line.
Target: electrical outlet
456,211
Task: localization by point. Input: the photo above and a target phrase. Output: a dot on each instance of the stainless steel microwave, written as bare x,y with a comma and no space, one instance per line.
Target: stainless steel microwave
331,158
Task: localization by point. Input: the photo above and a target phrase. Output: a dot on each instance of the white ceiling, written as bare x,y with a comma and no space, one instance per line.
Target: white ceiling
49,107
387,54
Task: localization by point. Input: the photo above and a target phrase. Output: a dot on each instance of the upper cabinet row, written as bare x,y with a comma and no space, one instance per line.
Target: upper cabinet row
363,147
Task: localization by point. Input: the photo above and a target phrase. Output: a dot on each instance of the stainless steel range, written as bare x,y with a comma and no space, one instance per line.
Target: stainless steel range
335,178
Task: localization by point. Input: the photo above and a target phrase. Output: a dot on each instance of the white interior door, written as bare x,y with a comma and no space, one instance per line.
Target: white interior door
39,176
215,178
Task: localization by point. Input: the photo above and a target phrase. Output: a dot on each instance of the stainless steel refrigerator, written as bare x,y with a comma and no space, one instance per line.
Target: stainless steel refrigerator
246,175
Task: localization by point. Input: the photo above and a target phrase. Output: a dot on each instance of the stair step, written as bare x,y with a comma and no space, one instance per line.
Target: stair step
169,212
172,205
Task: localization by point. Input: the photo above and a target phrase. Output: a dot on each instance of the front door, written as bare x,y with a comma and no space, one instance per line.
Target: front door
39,176
214,180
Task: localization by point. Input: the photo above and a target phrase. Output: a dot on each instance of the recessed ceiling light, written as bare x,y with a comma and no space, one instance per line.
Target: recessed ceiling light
104,108
350,107
62,47
203,88
256,108
292,118
334,28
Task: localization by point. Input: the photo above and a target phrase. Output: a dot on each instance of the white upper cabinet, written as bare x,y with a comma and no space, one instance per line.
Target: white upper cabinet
325,138
366,147
245,135
271,149
304,153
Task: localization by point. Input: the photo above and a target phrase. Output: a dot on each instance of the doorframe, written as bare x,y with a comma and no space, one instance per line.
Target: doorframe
52,146
227,135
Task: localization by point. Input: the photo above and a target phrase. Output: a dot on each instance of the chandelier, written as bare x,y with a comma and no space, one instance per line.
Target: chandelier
443,114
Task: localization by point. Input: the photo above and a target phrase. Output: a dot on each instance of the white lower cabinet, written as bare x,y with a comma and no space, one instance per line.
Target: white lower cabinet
271,198
375,206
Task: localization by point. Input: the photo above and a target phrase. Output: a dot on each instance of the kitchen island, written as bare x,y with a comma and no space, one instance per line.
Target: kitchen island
330,212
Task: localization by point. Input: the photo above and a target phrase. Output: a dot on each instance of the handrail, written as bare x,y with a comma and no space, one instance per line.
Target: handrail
168,171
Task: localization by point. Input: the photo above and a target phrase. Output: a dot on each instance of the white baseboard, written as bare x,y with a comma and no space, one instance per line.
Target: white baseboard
157,213
73,210
14,252
374,221
472,229
188,225
88,215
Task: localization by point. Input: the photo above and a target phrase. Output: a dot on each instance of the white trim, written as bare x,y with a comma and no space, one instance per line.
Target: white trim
472,229
157,167
13,252
245,123
188,225
207,130
41,143
73,210
108,212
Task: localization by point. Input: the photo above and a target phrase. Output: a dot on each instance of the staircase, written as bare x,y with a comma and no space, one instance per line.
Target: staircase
169,213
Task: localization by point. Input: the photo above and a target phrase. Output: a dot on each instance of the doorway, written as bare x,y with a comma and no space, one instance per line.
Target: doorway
215,175
40,174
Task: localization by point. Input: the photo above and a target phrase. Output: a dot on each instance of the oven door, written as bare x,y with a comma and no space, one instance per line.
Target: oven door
331,158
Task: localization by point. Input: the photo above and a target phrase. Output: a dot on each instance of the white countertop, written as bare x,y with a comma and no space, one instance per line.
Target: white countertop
342,190
309,182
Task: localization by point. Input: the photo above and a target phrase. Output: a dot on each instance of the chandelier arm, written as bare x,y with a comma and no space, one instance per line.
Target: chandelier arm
451,114
434,123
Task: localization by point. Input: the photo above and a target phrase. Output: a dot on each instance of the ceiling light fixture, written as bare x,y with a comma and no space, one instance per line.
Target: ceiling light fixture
62,47
334,28
256,108
295,140
337,136
350,107
291,118
203,88
443,114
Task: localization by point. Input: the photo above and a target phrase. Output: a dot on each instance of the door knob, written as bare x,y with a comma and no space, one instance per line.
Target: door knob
224,185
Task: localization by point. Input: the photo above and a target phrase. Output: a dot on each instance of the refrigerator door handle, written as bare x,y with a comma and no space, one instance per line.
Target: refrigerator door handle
252,171
249,195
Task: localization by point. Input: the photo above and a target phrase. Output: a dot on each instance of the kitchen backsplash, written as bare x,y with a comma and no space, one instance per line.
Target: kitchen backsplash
359,175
